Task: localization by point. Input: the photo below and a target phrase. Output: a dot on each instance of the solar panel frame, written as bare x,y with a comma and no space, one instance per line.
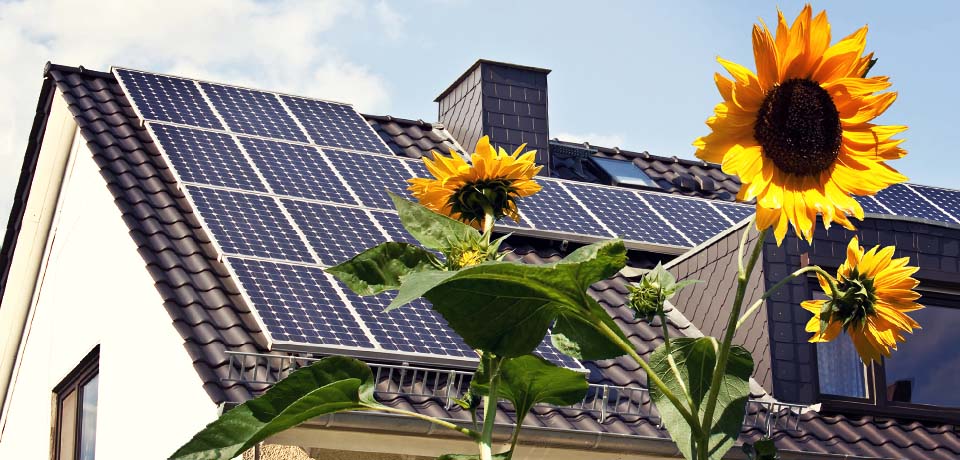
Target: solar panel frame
138,85
257,113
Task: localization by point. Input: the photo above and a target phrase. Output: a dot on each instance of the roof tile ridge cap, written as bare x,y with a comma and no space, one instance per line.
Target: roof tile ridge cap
50,67
418,122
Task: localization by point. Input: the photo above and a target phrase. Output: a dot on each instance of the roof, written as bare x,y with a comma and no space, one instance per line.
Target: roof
205,308
671,174
413,138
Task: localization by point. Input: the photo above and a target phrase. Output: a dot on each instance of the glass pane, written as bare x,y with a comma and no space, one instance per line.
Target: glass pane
88,419
68,426
926,368
624,172
840,370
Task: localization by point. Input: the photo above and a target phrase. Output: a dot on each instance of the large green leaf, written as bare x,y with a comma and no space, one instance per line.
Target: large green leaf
506,307
431,229
380,268
695,361
529,380
330,385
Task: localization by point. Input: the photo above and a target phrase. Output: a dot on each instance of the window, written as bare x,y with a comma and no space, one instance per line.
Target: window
918,380
623,172
75,411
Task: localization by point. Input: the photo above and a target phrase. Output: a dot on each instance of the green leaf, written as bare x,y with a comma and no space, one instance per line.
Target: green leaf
695,361
431,229
330,385
380,268
572,337
415,285
506,307
529,380
501,456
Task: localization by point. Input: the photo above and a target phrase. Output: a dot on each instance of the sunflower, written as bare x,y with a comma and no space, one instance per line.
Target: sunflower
491,182
875,293
797,132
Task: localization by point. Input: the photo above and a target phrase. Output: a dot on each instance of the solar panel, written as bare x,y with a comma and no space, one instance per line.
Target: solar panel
206,157
371,176
905,202
736,212
299,304
335,125
554,209
248,224
627,215
946,200
164,98
336,233
253,112
297,170
390,222
698,221
870,205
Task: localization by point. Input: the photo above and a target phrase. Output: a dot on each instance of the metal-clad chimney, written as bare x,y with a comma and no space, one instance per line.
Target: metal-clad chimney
507,102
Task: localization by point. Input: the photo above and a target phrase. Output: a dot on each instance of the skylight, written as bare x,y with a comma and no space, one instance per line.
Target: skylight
624,172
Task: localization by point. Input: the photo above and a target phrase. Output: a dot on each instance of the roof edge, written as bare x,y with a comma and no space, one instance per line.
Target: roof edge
487,61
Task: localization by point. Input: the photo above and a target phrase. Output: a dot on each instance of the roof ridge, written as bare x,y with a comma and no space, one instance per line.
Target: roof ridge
642,154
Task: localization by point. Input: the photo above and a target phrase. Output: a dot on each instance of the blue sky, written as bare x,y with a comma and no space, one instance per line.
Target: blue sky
638,75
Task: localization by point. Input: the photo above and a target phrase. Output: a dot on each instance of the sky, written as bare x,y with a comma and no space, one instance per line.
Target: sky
637,75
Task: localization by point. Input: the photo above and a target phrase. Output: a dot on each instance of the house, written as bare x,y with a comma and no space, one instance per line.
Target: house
162,263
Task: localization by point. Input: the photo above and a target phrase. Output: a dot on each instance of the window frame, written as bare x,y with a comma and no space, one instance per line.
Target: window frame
73,383
876,402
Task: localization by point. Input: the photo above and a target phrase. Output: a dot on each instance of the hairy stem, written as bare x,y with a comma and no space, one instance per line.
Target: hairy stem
652,377
490,409
671,361
453,426
776,287
743,277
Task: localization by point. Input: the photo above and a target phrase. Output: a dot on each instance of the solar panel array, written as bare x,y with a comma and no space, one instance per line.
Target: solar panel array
916,201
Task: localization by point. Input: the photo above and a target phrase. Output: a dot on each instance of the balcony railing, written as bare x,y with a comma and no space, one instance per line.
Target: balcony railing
260,371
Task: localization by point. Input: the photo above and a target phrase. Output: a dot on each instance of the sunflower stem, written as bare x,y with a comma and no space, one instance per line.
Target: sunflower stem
776,287
488,221
490,408
743,278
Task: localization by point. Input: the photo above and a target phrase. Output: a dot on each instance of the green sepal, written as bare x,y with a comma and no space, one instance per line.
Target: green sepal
695,360
330,385
431,229
382,267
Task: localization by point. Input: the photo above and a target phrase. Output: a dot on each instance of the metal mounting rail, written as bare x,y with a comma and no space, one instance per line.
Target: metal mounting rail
260,371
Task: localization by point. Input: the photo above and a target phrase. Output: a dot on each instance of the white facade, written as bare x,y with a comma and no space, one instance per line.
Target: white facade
93,288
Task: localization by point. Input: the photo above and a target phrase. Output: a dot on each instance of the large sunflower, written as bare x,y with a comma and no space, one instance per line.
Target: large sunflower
492,181
875,295
798,132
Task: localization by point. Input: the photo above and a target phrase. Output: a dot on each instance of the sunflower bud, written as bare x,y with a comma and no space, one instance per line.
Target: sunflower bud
656,287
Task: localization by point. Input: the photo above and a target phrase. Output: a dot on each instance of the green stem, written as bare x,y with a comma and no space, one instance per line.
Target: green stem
651,376
490,409
743,277
453,426
488,221
516,433
776,287
670,360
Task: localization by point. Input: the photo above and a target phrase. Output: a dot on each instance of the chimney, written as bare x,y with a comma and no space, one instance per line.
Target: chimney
507,102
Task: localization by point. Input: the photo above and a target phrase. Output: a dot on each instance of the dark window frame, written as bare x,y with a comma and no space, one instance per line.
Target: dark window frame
876,402
73,383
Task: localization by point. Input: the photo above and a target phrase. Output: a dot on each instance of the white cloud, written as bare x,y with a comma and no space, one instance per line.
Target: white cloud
602,140
279,45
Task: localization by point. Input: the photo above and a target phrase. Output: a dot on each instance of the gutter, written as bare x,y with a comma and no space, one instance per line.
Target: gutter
390,433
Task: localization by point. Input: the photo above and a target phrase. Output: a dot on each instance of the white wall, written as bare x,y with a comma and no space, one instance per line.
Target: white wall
96,290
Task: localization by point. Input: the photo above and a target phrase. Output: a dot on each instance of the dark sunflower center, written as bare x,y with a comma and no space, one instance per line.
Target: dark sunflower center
857,302
798,127
471,199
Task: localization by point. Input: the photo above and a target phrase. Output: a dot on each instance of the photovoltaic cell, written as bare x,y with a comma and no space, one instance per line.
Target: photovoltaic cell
296,170
394,228
696,218
248,224
371,175
299,304
870,205
335,125
172,99
253,112
413,328
206,157
546,351
627,215
336,233
735,212
554,209
905,202
948,200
